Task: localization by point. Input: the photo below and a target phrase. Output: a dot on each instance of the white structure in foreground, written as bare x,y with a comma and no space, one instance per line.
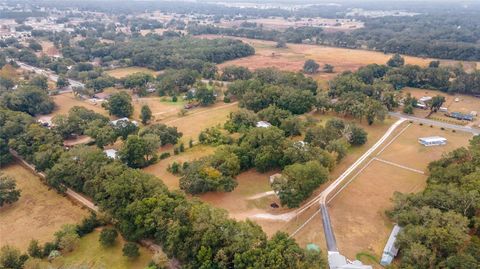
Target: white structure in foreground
390,250
111,153
263,124
432,141
338,261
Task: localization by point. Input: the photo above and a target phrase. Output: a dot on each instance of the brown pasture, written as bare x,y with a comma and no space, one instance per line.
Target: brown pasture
125,71
407,151
39,212
64,102
294,56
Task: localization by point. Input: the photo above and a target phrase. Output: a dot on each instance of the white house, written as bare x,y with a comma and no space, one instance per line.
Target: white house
432,141
390,250
263,124
425,99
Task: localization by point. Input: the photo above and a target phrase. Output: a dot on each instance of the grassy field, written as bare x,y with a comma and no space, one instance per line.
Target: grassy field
294,56
162,107
465,104
200,118
125,71
38,214
91,254
64,102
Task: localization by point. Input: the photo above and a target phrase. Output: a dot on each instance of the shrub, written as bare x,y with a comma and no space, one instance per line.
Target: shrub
164,155
130,250
88,225
34,249
108,236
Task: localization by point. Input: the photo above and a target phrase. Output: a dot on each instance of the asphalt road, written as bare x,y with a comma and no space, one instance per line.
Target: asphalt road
445,125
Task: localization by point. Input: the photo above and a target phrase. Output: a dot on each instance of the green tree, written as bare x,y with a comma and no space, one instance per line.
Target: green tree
138,152
62,82
11,258
205,96
28,99
355,135
396,61
119,104
436,103
298,181
130,250
145,114
166,134
8,190
67,238
375,111
34,249
328,68
310,66
108,236
40,82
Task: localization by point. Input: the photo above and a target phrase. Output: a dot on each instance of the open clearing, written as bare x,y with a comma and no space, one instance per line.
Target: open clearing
358,212
160,168
161,107
64,102
125,71
201,118
91,254
38,214
294,56
465,104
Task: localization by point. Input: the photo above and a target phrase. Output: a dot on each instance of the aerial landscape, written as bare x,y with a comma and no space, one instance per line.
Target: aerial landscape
142,134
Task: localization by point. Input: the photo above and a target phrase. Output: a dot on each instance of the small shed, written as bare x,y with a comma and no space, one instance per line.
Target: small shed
432,141
425,99
45,121
111,153
390,250
122,122
263,124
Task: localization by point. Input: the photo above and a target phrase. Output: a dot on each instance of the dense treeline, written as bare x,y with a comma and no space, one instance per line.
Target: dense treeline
441,225
291,35
144,208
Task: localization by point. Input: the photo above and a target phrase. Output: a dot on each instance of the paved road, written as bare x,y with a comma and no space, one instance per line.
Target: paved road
445,125
50,75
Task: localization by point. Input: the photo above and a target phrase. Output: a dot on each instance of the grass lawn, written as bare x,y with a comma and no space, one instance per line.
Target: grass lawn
123,72
38,214
64,102
91,254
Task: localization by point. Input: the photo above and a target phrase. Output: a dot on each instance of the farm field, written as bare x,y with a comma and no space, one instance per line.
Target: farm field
358,212
64,102
465,104
91,254
38,214
125,71
293,57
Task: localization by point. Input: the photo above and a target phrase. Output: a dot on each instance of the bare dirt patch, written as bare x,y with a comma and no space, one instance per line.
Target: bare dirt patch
38,214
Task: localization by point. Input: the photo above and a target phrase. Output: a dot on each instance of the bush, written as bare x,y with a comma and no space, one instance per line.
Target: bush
164,155
88,225
48,248
130,250
226,99
108,236
34,249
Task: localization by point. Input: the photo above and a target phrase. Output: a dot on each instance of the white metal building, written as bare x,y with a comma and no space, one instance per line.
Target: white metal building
390,250
432,141
263,124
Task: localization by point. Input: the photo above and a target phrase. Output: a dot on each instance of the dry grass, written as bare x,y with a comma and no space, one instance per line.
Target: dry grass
294,56
200,118
64,102
38,214
161,107
123,72
358,213
407,151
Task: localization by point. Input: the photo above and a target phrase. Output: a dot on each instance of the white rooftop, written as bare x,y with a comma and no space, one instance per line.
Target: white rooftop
114,122
111,153
431,139
263,124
